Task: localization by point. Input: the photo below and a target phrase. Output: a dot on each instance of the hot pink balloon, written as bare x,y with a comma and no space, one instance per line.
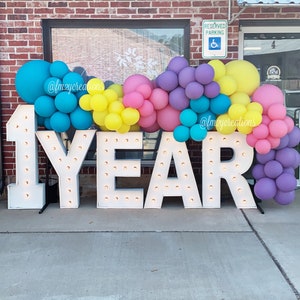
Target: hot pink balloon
289,123
278,128
275,142
159,98
146,109
147,121
133,99
261,131
251,140
145,90
132,82
168,118
154,127
265,119
263,146
276,111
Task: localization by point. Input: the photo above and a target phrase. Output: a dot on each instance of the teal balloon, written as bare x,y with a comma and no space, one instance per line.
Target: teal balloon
207,120
73,82
220,104
66,102
188,117
30,80
44,106
200,105
60,122
81,119
198,132
53,86
59,69
181,133
47,123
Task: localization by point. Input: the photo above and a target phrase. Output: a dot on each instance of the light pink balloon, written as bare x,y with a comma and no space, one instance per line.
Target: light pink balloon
261,131
268,94
168,118
132,82
263,146
278,128
276,111
251,140
289,123
146,109
265,120
273,141
159,98
133,99
145,90
147,121
151,128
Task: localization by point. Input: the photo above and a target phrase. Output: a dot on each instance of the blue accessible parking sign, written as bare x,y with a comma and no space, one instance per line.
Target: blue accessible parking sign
214,43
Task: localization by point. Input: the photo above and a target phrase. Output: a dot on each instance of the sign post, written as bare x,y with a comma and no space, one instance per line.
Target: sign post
214,39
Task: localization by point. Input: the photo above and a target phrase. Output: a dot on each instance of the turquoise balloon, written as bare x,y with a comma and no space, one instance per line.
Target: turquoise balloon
60,122
59,69
44,106
207,120
220,104
181,133
200,105
188,117
81,119
30,80
66,102
198,133
73,82
53,86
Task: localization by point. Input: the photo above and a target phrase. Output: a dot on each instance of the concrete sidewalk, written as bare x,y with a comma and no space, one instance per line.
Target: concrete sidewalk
172,253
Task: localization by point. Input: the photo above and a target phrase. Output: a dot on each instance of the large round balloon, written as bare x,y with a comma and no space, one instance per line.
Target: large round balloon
81,119
265,188
30,80
245,74
168,118
60,122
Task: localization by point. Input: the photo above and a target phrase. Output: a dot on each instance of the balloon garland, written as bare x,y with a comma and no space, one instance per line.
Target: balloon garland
188,101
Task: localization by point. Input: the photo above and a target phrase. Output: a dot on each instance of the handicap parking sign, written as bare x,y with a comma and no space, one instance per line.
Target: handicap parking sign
214,43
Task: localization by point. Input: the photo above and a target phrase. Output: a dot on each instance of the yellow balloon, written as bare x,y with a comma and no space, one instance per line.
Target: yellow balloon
116,107
99,102
252,118
113,121
255,106
99,117
245,74
227,84
111,95
242,128
124,128
95,86
225,125
236,111
130,116
85,102
240,98
117,88
219,68
135,127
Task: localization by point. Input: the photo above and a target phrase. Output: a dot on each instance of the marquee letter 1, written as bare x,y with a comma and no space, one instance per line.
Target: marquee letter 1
26,192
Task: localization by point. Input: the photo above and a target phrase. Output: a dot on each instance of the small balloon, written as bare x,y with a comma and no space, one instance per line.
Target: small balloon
204,73
177,63
286,182
167,81
186,76
200,105
159,98
265,188
220,104
212,89
81,119
60,122
178,99
194,90
198,132
44,106
188,117
181,133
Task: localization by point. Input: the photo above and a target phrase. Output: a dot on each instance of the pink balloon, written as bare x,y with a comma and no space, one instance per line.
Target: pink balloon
265,119
159,98
273,141
146,109
289,123
261,131
186,76
132,82
251,140
278,128
145,90
168,118
133,99
151,128
263,146
268,94
147,121
276,111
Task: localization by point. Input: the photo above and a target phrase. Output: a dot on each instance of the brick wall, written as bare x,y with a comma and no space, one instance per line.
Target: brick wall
21,35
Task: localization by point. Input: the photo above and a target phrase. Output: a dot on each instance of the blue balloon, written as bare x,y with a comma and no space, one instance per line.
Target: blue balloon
30,80
60,122
44,106
73,82
59,69
81,119
53,86
220,104
198,132
66,102
200,105
181,133
47,123
188,117
207,120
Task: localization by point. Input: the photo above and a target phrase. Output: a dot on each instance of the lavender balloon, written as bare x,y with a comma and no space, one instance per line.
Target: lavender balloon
204,74
265,188
167,81
177,63
178,99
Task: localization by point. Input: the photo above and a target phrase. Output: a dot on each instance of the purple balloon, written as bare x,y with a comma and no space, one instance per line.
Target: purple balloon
258,171
186,76
167,81
273,169
284,141
194,90
265,188
264,158
285,198
204,73
212,89
177,63
178,99
294,137
289,170
286,182
287,157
